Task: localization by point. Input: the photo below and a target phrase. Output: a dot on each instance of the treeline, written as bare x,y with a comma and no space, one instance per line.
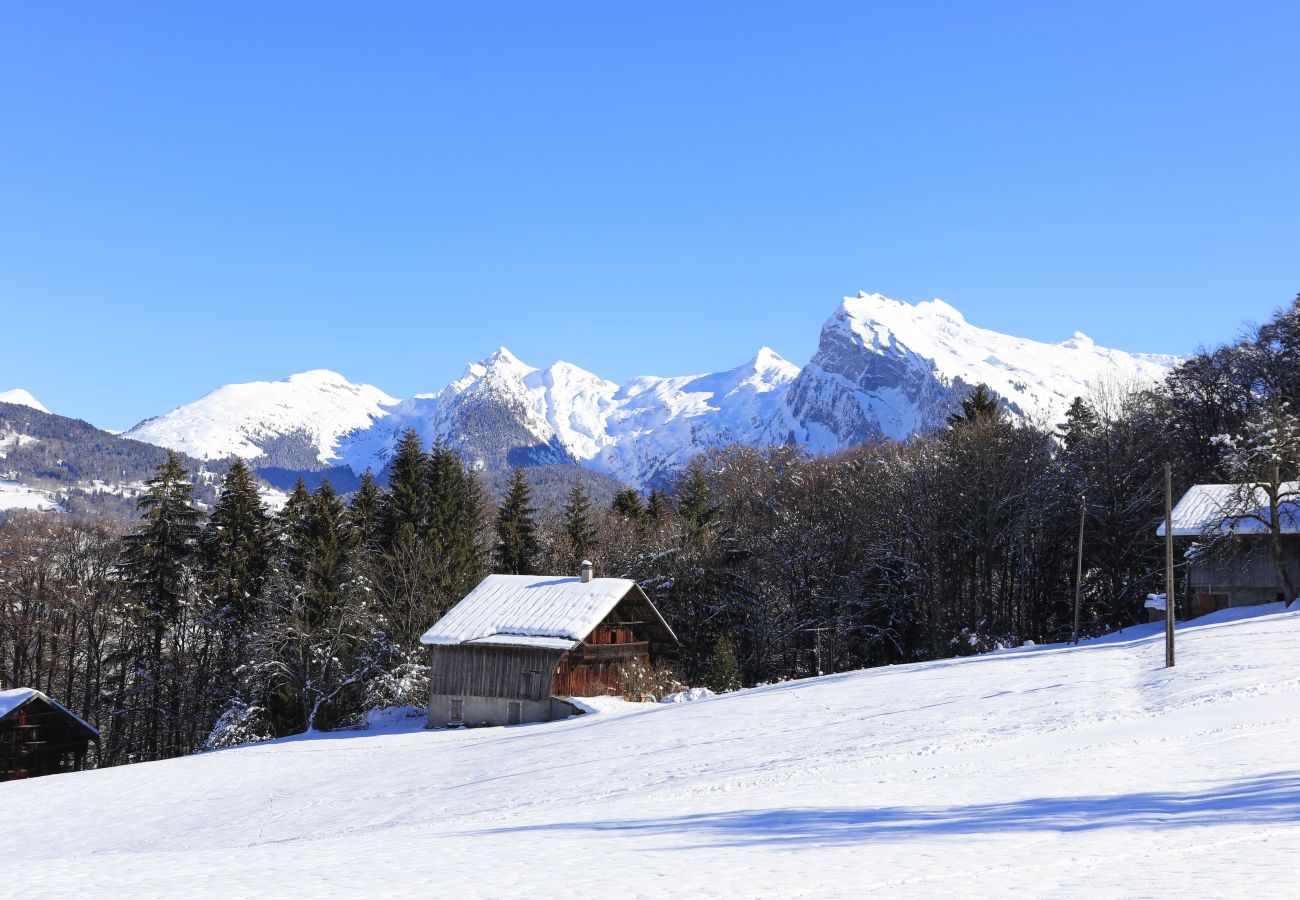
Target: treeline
198,631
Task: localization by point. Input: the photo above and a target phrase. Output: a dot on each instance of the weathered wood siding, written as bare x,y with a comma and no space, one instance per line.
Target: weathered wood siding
1244,574
40,739
516,673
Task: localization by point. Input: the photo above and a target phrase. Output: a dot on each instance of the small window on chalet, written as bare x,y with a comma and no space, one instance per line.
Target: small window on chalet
457,714
530,684
513,708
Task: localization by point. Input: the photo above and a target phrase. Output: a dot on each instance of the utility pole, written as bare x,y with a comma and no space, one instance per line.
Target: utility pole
1078,568
1169,566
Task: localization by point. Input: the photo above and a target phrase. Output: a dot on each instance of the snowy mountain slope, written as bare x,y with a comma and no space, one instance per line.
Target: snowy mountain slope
1056,771
51,462
503,412
883,368
22,398
888,368
294,422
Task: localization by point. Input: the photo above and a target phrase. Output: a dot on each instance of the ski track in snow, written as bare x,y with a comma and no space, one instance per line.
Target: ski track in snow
1054,771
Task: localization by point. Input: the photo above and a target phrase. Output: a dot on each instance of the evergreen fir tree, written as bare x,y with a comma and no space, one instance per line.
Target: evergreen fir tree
445,490
516,530
455,520
364,511
724,671
319,551
979,406
155,556
323,644
236,550
578,527
405,510
1079,422
628,504
470,550
290,524
696,504
156,562
659,507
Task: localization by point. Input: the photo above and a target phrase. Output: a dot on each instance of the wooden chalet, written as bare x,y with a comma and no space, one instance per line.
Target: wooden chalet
1234,566
517,644
40,736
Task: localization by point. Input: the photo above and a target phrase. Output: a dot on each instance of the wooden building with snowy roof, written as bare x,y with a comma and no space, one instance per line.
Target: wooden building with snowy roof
40,736
517,644
1232,563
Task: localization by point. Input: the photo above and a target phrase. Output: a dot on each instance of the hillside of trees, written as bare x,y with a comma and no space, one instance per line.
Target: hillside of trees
192,631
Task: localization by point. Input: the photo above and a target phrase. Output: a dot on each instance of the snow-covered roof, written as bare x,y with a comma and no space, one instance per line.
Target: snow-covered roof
12,699
1222,508
544,611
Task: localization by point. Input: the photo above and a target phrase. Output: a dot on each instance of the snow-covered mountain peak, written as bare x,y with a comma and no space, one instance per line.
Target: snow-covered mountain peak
500,366
881,322
883,368
767,362
561,373
1078,340
318,377
311,410
888,368
22,398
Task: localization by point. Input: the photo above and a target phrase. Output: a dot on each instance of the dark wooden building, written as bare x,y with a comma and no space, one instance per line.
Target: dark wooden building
518,644
40,736
1233,565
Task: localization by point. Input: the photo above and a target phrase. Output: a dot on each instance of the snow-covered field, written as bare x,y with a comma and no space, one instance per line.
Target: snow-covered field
14,495
1051,771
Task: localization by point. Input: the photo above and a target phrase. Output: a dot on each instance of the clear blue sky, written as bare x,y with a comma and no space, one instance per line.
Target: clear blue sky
195,194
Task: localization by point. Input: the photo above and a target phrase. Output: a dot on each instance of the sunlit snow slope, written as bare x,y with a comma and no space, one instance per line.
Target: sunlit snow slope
1058,771
883,368
22,398
312,409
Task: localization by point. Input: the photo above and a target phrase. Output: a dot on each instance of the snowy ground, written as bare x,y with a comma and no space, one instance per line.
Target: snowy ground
14,495
1051,771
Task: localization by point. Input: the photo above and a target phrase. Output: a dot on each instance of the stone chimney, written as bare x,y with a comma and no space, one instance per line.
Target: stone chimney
586,571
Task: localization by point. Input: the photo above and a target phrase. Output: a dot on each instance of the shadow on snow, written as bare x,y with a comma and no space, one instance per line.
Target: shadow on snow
1270,799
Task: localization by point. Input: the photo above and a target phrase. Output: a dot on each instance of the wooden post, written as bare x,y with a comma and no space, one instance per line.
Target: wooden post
1078,568
1169,566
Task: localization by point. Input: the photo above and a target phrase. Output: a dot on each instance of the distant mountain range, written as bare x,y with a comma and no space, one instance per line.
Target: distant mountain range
883,369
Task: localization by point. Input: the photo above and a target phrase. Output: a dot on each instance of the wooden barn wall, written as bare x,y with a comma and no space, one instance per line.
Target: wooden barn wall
492,671
1249,565
40,739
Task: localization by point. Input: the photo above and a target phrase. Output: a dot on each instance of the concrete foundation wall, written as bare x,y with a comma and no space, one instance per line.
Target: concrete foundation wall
479,711
1237,595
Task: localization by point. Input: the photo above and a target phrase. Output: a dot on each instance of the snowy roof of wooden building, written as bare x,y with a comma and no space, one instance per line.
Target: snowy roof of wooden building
1232,509
12,700
542,611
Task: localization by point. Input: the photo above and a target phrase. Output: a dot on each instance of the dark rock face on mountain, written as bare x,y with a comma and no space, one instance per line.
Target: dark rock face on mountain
883,369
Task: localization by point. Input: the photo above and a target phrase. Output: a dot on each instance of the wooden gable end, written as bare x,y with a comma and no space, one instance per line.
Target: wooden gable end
632,633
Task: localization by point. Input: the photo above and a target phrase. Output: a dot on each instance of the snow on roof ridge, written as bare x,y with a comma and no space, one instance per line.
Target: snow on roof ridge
16,697
534,606
1218,508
